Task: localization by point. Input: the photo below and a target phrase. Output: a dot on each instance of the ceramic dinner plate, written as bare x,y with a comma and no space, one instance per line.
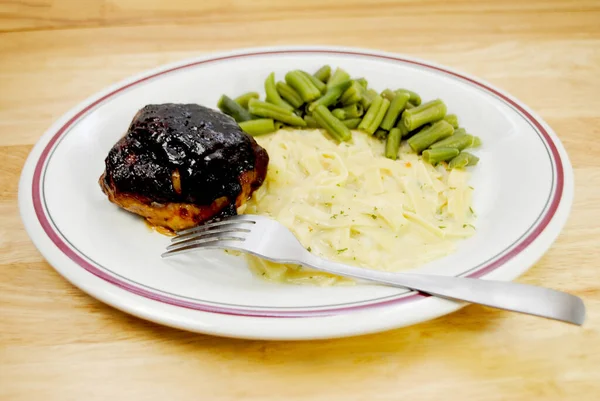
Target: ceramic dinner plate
523,194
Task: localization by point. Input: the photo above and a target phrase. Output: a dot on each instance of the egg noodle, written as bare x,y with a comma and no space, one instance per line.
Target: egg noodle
347,203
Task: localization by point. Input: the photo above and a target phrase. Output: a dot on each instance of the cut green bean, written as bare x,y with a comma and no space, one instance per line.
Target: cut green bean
338,77
397,106
301,84
352,123
392,143
368,120
381,114
452,119
323,73
311,122
268,110
414,97
258,127
272,94
463,160
289,94
460,140
410,134
316,82
430,135
331,97
352,95
409,106
279,125
367,98
243,99
374,115
434,156
335,127
340,114
231,108
389,94
352,111
363,82
381,134
402,128
426,113
456,141
427,105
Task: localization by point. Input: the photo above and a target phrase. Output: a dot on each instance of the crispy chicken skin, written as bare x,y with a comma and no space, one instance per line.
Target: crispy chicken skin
179,165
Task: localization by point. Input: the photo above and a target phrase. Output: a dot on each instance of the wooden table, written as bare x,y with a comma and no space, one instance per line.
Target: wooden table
57,343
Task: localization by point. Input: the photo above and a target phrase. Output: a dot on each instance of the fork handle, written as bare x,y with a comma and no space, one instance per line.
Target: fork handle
505,295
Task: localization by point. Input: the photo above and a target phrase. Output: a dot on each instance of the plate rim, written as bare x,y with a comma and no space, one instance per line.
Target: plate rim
561,199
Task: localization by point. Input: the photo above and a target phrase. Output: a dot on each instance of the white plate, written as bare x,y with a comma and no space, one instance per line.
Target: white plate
523,194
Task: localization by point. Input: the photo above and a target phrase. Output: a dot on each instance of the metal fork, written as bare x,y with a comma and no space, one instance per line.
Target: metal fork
268,239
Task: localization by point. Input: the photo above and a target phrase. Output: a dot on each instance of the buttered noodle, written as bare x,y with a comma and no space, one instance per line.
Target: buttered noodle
348,203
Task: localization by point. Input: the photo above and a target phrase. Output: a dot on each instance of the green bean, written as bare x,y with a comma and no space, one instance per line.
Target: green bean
463,160
456,141
338,77
397,105
311,122
367,98
452,119
388,94
410,134
402,128
231,108
430,135
340,114
374,115
272,94
323,73
289,94
427,105
331,97
414,97
258,127
316,82
268,110
301,84
381,134
372,111
352,123
352,111
476,142
278,125
363,82
334,126
392,144
423,114
352,95
381,114
243,99
434,156
409,106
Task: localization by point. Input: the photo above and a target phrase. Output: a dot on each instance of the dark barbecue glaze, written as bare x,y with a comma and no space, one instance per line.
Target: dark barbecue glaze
206,147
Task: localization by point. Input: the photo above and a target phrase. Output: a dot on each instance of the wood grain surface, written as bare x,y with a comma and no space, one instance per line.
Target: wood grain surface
57,343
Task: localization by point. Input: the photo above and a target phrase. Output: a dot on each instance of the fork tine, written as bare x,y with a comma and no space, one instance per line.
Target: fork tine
226,228
224,243
211,235
240,219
